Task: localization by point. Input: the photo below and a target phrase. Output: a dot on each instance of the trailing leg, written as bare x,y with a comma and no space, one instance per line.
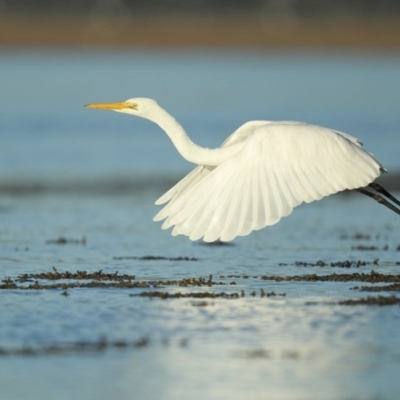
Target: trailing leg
382,190
380,200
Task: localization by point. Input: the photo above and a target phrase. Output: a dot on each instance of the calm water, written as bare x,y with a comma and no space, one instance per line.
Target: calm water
303,345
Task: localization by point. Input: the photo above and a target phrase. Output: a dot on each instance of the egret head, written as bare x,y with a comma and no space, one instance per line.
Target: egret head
140,107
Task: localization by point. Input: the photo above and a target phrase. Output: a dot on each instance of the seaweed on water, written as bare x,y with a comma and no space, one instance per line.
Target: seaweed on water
202,295
97,279
155,258
337,264
8,283
179,295
78,275
63,240
395,287
379,300
356,276
357,236
95,346
368,248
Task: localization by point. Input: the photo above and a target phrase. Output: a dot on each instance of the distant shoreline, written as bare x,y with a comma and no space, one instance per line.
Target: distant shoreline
209,31
120,185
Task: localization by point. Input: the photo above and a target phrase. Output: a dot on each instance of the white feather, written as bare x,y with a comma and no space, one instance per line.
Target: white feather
280,166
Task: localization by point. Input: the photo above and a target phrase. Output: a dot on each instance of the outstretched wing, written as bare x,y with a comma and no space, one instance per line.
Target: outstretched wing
280,166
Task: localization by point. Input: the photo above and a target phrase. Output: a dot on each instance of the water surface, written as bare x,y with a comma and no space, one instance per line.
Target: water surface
299,344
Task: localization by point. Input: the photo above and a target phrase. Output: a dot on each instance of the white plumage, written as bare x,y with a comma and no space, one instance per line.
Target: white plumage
259,174
280,166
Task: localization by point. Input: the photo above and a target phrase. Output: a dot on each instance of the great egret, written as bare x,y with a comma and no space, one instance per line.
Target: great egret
259,174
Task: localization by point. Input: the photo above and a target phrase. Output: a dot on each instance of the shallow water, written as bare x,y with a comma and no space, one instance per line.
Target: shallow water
300,344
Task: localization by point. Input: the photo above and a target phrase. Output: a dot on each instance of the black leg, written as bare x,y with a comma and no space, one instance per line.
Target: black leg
383,191
380,200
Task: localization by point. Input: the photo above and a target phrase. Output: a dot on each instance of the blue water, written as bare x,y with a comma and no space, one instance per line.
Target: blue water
303,345
46,133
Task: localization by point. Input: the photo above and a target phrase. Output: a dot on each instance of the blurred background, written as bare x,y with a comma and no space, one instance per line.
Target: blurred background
253,23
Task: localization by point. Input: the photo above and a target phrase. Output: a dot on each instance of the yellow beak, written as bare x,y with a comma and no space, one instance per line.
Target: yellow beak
112,106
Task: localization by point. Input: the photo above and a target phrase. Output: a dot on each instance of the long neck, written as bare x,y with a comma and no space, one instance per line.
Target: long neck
186,147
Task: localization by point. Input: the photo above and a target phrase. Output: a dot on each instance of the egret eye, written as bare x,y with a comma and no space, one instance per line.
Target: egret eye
133,106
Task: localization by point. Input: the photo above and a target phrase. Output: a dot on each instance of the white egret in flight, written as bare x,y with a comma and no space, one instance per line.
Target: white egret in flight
259,174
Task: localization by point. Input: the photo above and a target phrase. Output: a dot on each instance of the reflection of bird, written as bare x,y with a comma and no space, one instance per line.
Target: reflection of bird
259,174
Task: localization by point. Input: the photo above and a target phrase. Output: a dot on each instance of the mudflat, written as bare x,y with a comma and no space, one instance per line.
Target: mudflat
257,31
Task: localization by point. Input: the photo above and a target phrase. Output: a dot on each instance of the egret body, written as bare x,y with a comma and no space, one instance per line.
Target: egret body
259,174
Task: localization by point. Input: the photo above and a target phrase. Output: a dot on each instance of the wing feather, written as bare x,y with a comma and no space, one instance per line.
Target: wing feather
278,202
265,204
245,210
220,209
188,181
